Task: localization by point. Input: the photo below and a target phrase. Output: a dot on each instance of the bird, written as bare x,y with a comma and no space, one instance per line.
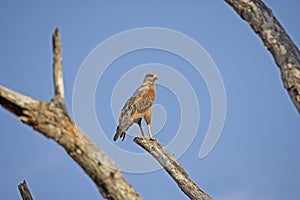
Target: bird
138,106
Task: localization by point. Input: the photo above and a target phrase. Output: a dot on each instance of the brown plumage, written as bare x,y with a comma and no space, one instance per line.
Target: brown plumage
137,107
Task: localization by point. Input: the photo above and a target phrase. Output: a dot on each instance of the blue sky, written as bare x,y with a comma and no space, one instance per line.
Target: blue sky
256,156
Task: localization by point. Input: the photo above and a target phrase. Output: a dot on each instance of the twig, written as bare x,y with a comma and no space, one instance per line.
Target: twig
24,191
172,166
57,65
276,40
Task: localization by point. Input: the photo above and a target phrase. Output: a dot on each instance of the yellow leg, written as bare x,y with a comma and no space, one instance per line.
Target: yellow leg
149,131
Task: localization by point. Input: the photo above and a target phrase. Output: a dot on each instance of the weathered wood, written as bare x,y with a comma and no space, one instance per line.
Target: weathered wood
53,121
173,168
24,191
57,66
276,40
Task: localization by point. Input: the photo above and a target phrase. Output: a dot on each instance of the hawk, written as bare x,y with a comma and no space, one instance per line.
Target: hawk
137,107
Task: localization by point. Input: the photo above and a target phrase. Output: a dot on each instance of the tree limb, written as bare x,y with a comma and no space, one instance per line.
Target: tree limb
24,191
276,40
172,166
53,121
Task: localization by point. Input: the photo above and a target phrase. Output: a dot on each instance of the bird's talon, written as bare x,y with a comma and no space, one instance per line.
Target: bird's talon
152,138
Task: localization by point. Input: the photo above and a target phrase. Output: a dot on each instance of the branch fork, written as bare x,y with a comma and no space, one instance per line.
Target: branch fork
53,121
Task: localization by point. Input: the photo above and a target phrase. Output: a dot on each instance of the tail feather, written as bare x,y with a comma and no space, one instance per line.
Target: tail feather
119,133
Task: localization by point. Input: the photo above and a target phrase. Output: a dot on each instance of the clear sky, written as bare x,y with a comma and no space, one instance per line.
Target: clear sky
257,154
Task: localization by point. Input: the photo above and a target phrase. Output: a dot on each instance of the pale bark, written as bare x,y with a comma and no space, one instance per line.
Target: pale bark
276,40
173,168
57,66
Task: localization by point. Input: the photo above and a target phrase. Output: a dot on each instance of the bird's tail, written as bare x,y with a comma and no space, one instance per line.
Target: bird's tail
119,133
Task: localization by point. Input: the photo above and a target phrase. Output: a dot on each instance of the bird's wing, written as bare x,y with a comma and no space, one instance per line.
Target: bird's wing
125,119
144,103
140,101
136,105
145,99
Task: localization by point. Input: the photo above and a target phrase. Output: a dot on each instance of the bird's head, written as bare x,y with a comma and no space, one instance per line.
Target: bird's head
150,77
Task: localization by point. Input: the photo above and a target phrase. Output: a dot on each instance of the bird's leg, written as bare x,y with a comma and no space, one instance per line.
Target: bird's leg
143,135
140,125
149,131
147,118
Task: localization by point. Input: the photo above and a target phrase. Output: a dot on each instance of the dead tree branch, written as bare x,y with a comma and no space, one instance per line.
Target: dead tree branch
57,66
172,166
24,191
53,121
276,40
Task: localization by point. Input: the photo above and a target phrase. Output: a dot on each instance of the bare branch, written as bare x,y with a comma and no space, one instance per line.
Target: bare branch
172,166
276,40
24,191
57,65
14,101
53,121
